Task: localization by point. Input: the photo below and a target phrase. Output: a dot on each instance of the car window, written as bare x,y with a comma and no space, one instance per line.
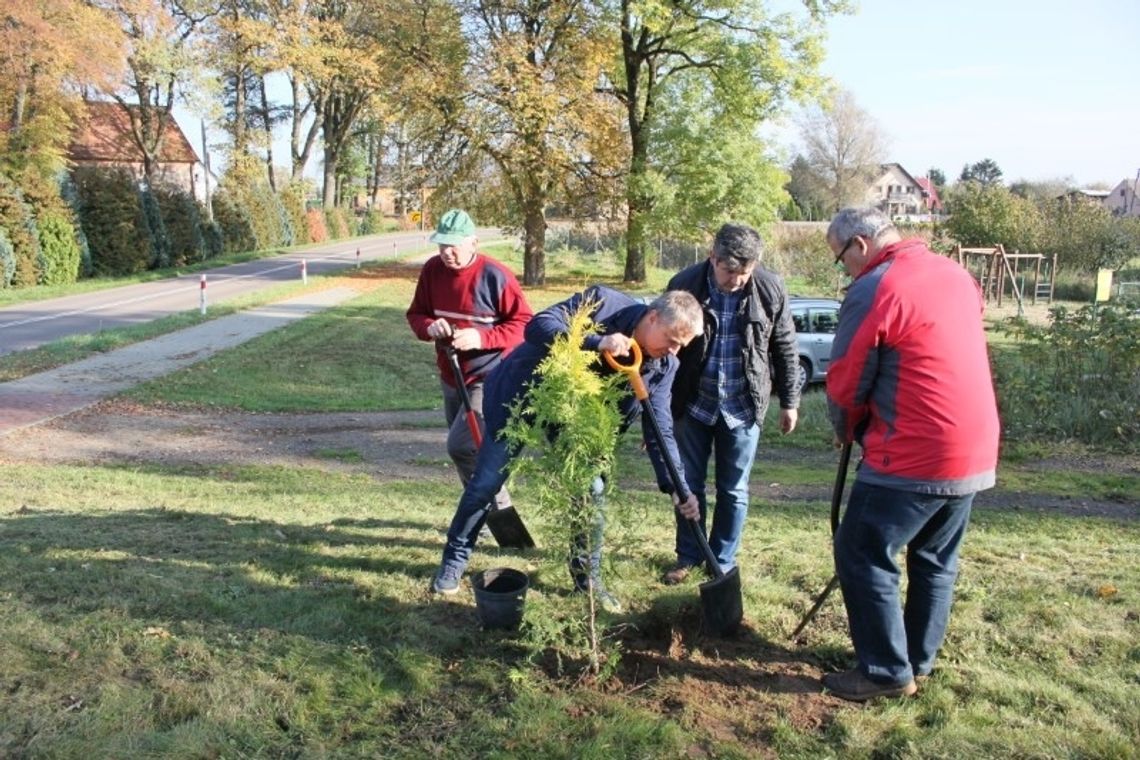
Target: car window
800,320
824,321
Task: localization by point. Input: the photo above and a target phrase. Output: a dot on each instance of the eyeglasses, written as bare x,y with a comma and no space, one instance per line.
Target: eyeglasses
843,250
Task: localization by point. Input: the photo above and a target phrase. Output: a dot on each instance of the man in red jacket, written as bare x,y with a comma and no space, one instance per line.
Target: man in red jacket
474,303
909,380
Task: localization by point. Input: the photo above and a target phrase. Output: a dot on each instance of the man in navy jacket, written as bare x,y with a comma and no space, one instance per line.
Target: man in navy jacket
661,329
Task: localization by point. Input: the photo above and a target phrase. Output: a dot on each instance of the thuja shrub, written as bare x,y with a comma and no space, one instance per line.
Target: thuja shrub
233,219
112,219
70,195
1076,378
293,202
7,260
17,220
184,225
337,223
270,221
566,427
315,221
60,245
372,222
159,242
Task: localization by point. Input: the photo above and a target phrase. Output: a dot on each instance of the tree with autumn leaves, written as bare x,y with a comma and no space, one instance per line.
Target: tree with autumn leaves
649,107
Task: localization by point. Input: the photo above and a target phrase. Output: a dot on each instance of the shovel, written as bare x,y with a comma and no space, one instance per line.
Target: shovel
836,500
505,524
721,602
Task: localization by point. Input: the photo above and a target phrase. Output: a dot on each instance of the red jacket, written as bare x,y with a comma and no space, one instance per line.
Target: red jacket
484,295
910,376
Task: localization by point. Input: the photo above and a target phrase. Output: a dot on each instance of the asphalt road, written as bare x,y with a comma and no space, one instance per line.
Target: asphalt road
35,323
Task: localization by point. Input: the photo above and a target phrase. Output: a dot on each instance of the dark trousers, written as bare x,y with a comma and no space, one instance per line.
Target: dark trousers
894,642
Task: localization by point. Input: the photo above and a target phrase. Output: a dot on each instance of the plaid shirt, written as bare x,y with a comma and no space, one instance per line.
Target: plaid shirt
723,390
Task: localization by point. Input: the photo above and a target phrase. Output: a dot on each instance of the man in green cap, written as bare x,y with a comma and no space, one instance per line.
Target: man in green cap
473,303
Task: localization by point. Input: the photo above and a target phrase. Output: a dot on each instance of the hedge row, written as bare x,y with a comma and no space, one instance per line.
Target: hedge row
99,222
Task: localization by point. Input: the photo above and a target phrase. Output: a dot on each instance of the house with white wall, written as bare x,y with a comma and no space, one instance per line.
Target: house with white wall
902,195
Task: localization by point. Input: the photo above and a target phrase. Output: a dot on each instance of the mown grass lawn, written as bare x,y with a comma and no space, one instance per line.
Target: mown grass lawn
267,611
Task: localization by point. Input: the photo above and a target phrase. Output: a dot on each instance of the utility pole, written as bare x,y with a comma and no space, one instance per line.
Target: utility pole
206,179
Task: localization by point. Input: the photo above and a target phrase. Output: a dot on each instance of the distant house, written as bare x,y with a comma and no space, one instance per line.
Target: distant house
104,139
1121,200
900,194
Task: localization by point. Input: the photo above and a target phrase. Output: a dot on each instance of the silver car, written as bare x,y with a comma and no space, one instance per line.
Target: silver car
816,320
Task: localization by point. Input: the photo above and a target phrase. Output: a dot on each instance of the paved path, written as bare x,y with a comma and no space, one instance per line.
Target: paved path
38,398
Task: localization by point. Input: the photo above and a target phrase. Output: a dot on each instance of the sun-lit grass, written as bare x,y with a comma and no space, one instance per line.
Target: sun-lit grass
198,611
270,611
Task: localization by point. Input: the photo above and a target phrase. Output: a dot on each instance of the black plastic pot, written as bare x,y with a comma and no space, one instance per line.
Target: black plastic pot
500,594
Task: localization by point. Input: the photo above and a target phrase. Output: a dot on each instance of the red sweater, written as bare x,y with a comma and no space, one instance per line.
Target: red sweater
484,295
910,377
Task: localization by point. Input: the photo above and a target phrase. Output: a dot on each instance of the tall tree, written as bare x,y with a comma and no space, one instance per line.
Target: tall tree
845,148
344,81
806,189
533,73
161,61
985,172
937,178
744,53
49,50
713,166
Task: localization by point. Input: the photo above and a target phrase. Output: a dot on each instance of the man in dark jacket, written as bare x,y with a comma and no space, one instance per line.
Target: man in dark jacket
661,330
720,394
909,380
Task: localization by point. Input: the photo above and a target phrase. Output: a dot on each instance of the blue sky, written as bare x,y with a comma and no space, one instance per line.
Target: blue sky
1046,89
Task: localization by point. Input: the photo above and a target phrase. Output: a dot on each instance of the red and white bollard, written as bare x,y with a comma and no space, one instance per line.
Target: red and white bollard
202,295
358,258
304,272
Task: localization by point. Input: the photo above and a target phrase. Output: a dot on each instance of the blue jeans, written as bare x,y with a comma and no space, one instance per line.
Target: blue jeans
892,644
478,495
735,451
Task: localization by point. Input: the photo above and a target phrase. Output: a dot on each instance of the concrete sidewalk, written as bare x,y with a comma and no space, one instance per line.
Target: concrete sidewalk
38,398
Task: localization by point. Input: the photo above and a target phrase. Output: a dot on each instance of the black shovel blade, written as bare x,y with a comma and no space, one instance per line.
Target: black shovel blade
508,529
722,604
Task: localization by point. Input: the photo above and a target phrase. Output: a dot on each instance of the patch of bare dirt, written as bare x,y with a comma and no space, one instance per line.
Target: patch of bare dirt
411,446
387,445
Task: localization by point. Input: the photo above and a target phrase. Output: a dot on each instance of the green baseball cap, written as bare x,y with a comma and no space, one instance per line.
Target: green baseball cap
454,227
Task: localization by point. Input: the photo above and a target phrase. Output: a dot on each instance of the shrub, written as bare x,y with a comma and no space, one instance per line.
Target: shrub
802,253
232,218
112,219
293,201
70,195
7,261
315,222
212,234
184,225
159,241
372,222
987,216
270,220
1078,377
337,224
60,245
17,221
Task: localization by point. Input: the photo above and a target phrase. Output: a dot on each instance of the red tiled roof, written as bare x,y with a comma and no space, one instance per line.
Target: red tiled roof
933,201
106,136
